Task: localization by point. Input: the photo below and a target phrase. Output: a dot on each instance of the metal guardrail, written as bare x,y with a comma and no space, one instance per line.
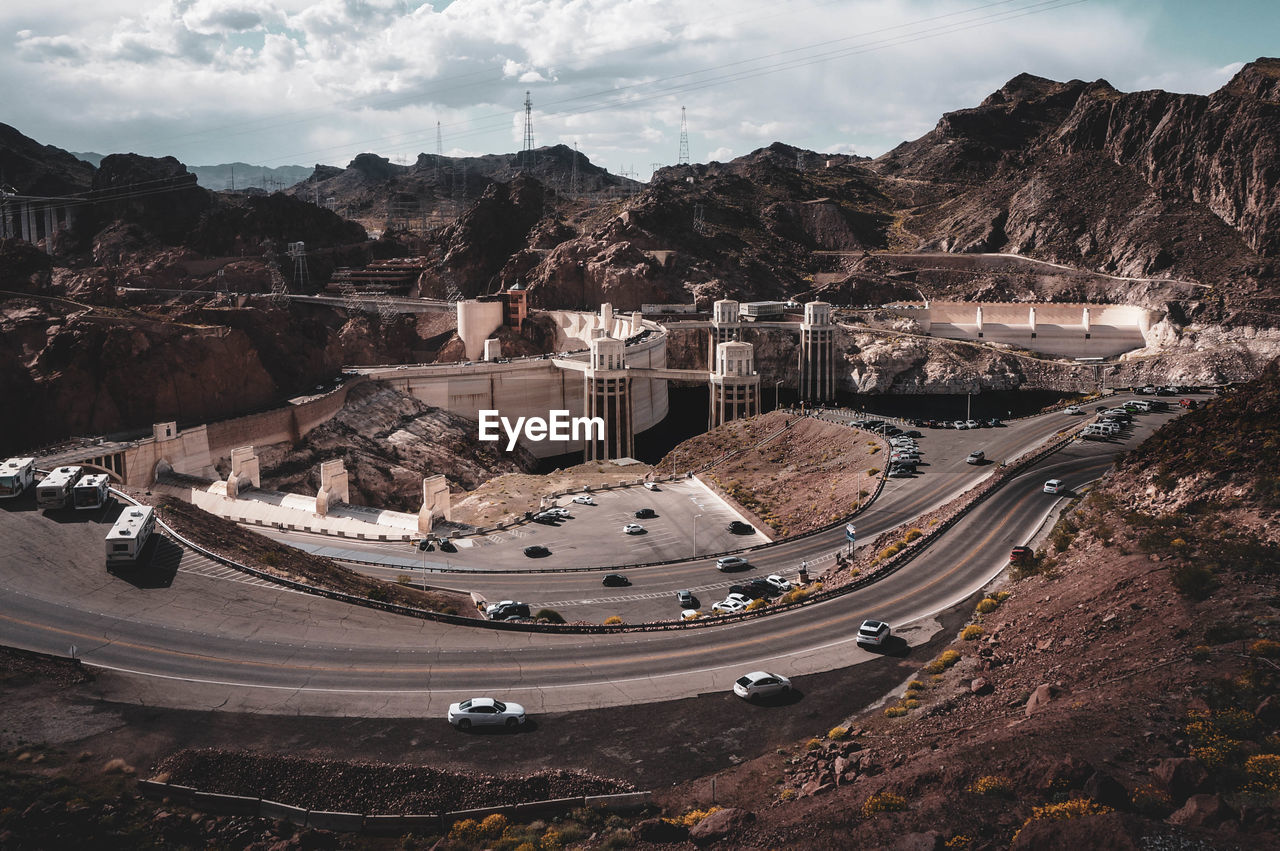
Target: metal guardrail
223,804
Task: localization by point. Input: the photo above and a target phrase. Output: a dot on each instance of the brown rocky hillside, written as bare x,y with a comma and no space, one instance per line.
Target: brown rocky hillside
1121,692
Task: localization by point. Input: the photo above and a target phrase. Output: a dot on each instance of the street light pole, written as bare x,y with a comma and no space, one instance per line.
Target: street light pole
775,393
694,554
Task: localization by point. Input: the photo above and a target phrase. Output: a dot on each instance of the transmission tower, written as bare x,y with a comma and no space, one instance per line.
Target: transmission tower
699,221
684,139
573,174
439,153
298,251
799,161
526,154
279,287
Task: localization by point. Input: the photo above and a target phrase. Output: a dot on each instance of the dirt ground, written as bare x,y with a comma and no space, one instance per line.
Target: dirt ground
510,496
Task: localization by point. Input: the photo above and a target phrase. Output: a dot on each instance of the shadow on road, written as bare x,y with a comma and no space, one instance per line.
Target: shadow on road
155,568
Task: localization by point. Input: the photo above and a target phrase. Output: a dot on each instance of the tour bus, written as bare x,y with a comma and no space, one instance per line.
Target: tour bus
54,490
127,538
16,475
90,491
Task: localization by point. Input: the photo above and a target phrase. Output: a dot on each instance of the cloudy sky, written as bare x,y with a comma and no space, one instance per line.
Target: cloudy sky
282,82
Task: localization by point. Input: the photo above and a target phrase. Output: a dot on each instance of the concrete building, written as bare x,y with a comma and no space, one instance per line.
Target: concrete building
1065,330
607,391
735,384
726,327
817,353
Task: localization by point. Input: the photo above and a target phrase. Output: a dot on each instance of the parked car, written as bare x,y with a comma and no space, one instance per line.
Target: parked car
913,432
507,610
485,712
547,519
729,607
900,471
537,551
686,599
584,499
558,511
1054,486
873,633
977,456
731,563
758,684
615,580
1073,409
757,589
645,513
737,527
972,424
651,486
779,584
633,529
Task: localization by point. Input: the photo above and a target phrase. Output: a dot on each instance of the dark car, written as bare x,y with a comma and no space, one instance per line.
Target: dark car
913,432
547,519
686,599
993,422
615,580
737,527
425,545
757,589
447,547
1019,555
537,551
645,513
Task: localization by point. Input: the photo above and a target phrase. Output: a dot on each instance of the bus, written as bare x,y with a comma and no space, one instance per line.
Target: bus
130,534
16,475
90,491
54,490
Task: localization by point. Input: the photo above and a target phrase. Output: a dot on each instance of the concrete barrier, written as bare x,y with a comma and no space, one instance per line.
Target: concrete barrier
508,810
620,802
277,810
554,805
227,805
403,824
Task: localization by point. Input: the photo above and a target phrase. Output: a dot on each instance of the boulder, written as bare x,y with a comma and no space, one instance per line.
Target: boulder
1113,831
1180,777
927,841
1106,790
981,686
720,824
1043,694
1202,811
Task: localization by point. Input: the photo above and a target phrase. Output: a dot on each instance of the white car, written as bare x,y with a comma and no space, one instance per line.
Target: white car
557,511
972,424
651,486
759,684
1073,409
729,607
584,500
731,562
1054,486
633,529
778,582
873,633
976,457
485,711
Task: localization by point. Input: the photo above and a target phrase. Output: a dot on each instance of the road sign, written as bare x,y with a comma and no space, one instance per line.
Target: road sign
849,533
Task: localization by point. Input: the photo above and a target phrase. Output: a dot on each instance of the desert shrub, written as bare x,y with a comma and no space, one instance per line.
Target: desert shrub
464,833
911,694
1201,653
493,826
612,620
1074,808
403,579
569,832
885,802
1193,580
549,615
1064,532
692,817
971,632
873,472
916,685
1263,770
995,785
838,734
786,794
949,658
813,744
960,842
910,703
889,551
911,535
620,838
756,605
1266,648
895,711
987,605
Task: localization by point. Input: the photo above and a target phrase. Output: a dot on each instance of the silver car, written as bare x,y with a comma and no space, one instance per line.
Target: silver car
485,711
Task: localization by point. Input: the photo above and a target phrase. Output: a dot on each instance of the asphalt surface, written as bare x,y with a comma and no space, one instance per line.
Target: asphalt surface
182,634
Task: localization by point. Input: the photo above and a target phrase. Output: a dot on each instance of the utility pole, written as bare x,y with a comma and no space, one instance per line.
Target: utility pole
684,140
439,153
573,174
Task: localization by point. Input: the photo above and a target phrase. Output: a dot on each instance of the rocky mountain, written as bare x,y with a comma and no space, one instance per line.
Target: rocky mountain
29,168
229,176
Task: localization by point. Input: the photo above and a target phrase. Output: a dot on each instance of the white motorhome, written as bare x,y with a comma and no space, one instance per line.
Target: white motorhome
16,475
130,534
54,490
91,491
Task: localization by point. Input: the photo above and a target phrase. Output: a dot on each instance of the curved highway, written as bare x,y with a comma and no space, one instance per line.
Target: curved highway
194,638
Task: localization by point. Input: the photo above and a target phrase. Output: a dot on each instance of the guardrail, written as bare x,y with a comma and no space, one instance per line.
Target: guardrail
242,805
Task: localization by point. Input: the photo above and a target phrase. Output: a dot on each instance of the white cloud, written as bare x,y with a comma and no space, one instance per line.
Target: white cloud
276,81
720,155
